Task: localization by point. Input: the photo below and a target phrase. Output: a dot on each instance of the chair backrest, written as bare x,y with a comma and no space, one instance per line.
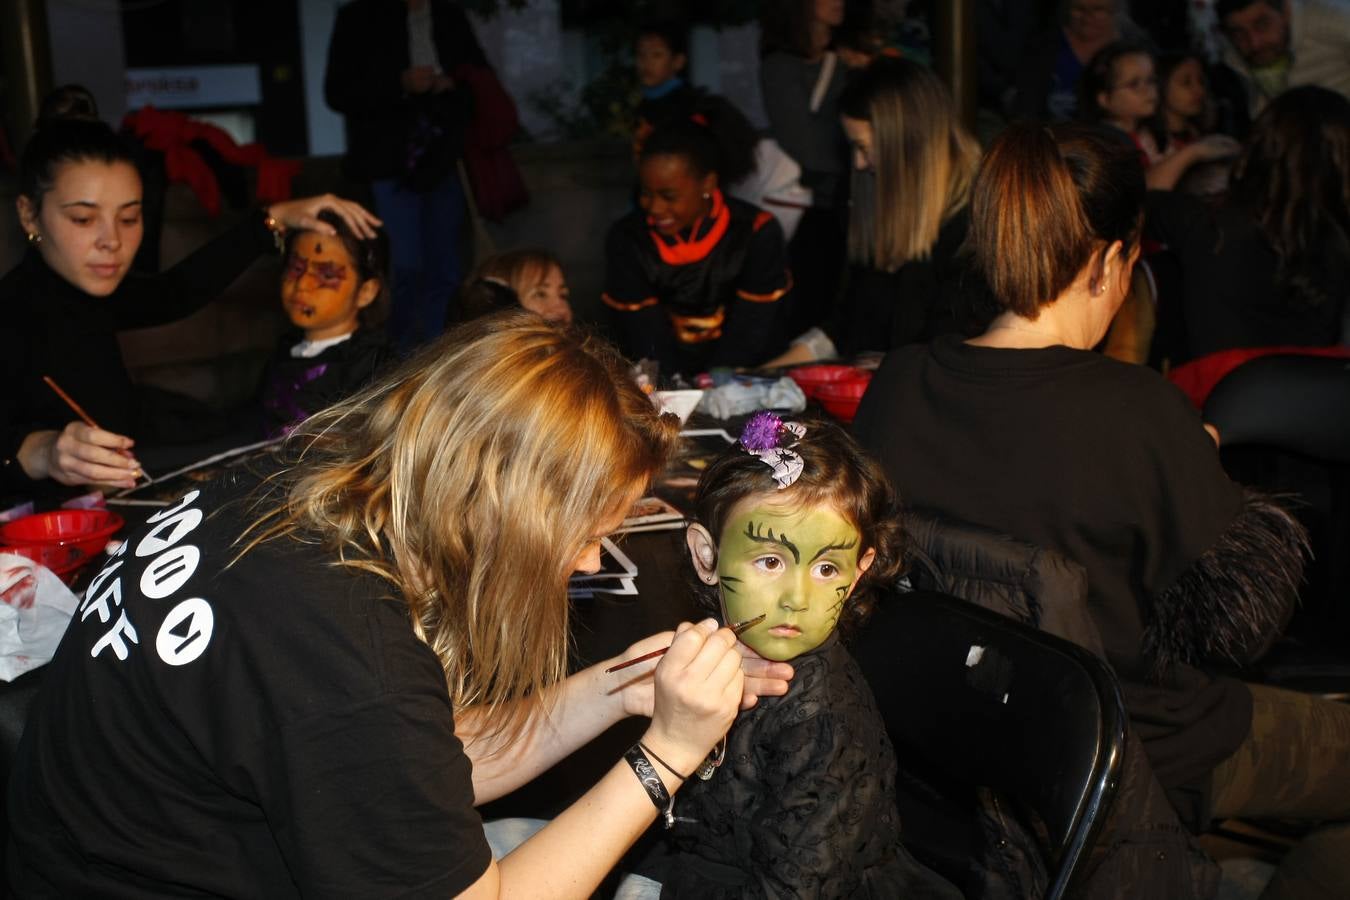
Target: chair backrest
995,704
1295,403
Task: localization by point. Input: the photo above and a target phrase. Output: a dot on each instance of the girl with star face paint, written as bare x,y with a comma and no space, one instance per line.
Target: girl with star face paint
333,287
795,524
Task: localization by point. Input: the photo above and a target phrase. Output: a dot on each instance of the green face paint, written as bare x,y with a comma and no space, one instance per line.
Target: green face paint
795,565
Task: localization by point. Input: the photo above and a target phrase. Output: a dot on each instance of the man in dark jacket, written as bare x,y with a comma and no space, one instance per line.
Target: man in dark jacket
390,65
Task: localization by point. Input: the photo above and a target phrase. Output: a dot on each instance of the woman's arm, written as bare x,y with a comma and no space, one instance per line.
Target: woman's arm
698,686
145,300
1164,174
583,706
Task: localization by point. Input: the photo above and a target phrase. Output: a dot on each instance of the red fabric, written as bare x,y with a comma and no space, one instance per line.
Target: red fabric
1198,377
497,185
172,134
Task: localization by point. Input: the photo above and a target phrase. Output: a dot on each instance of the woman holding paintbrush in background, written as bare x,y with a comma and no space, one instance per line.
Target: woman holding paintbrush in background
80,207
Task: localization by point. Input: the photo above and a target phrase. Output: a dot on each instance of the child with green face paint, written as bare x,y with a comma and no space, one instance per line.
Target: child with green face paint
796,523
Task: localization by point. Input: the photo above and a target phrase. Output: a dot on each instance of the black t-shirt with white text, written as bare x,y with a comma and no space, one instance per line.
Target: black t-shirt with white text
267,729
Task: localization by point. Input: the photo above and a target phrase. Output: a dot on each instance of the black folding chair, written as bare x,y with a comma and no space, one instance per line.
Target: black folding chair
992,703
1289,402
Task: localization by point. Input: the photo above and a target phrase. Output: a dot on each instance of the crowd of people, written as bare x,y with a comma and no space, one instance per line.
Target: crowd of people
381,608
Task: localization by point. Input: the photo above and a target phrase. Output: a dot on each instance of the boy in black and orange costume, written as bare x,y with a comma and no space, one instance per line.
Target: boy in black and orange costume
695,279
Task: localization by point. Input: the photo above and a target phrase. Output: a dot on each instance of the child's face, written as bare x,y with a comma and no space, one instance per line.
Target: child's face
546,296
1185,93
1133,95
672,195
320,290
797,566
655,63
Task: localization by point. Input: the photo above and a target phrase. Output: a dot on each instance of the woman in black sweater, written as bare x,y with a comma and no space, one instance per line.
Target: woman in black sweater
1025,430
80,207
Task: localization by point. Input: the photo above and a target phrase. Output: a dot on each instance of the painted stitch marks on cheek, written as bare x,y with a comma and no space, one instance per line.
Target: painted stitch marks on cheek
795,568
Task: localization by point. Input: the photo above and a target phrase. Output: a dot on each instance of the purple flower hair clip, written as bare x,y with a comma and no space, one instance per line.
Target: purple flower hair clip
769,438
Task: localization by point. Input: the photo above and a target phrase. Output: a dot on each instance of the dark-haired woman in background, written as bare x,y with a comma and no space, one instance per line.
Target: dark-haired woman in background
1271,264
1025,430
694,279
913,162
80,206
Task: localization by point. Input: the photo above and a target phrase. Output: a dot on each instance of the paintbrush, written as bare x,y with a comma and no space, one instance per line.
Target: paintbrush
738,629
79,411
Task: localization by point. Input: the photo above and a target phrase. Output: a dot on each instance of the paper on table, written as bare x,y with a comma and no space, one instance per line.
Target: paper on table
35,608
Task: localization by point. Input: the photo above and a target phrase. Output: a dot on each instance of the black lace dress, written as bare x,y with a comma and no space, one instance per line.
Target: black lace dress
803,806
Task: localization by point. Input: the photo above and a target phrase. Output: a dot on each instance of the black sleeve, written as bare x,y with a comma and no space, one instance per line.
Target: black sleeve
145,300
351,84
764,279
635,314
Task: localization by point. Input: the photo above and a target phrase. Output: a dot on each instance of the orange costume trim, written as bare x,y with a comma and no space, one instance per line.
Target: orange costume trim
698,329
683,252
628,307
770,297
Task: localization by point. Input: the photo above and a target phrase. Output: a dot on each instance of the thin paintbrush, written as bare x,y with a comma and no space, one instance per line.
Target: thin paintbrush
738,629
79,411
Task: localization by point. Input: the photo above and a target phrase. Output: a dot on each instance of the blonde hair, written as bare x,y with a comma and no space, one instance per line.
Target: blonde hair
471,479
923,162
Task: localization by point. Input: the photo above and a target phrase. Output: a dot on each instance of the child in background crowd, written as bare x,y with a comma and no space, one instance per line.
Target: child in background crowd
661,54
1119,88
328,287
795,525
531,278
1183,108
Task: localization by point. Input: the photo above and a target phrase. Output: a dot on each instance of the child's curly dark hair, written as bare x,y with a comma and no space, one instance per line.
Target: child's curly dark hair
836,472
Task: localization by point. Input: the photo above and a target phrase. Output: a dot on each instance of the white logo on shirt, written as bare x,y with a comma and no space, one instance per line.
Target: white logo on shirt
186,632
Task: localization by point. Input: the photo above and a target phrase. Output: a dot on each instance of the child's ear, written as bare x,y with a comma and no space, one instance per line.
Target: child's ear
1101,99
679,60
703,552
709,183
367,292
864,563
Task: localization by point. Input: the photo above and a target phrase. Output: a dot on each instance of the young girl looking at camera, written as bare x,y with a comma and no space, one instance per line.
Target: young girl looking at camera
329,284
794,526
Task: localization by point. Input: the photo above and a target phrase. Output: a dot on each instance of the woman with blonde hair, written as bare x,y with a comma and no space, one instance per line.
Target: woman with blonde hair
301,682
913,162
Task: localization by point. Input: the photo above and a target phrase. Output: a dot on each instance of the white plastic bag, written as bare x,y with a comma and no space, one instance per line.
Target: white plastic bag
35,608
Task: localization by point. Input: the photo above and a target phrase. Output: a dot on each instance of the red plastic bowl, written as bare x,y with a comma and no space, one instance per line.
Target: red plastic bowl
63,559
841,398
87,529
811,378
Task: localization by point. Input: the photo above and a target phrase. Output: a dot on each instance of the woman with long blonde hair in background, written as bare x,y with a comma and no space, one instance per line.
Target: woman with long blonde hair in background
302,681
913,162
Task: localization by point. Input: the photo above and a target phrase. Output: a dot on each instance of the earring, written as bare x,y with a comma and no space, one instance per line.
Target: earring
710,579
34,238
707,196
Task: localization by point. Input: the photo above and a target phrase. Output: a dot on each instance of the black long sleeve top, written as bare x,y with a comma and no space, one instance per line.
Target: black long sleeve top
53,328
804,804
